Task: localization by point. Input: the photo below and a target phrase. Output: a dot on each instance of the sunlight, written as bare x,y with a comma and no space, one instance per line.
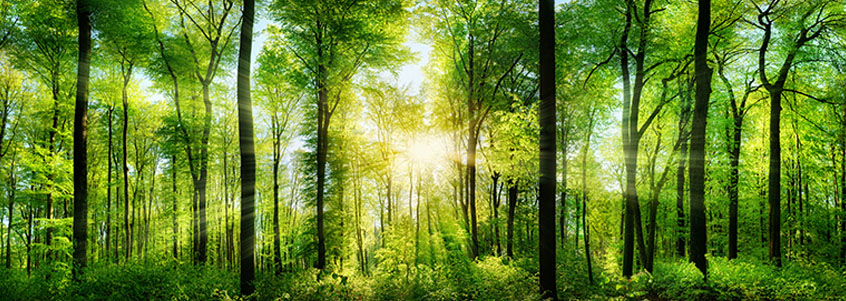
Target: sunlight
426,151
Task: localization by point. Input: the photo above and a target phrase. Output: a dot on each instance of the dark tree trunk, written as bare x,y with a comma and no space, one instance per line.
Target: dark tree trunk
203,178
80,149
322,123
174,209
631,138
109,186
9,233
471,188
843,186
248,157
698,238
680,192
585,195
128,236
546,181
276,243
12,188
512,205
734,162
562,218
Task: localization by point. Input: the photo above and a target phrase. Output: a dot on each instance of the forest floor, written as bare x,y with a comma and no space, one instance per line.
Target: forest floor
492,278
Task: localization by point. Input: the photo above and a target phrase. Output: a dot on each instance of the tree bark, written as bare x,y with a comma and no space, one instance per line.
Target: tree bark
680,192
562,218
546,181
276,158
80,149
322,123
585,195
512,205
248,159
127,74
698,238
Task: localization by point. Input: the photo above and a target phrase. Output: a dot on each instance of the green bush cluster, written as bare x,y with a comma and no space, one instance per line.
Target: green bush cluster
152,281
458,278
738,279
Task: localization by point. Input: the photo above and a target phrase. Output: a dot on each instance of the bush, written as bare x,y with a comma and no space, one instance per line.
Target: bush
152,281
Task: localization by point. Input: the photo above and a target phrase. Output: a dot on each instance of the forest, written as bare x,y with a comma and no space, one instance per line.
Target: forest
422,149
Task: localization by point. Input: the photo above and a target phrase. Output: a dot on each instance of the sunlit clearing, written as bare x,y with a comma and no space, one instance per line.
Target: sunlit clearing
427,151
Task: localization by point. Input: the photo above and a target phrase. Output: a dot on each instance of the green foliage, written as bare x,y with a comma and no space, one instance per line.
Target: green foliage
152,281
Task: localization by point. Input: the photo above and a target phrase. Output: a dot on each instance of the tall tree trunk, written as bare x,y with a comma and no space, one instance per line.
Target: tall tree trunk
248,157
585,197
512,205
734,162
680,192
174,209
203,179
546,181
562,218
9,235
80,148
496,201
276,243
698,238
774,197
322,132
109,186
843,186
472,139
126,77
13,183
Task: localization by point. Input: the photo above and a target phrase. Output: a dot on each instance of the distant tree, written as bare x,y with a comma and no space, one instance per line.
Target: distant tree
333,40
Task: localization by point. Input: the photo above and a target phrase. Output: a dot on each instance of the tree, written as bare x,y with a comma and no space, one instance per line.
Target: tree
211,23
815,19
45,48
279,95
633,131
13,93
248,157
80,137
698,236
333,46
546,181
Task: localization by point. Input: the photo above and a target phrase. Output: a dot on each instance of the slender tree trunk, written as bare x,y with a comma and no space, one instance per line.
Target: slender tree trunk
276,243
562,218
203,179
471,188
734,162
585,200
843,186
322,132
546,181
680,192
109,186
174,209
80,148
698,238
128,236
11,208
512,205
